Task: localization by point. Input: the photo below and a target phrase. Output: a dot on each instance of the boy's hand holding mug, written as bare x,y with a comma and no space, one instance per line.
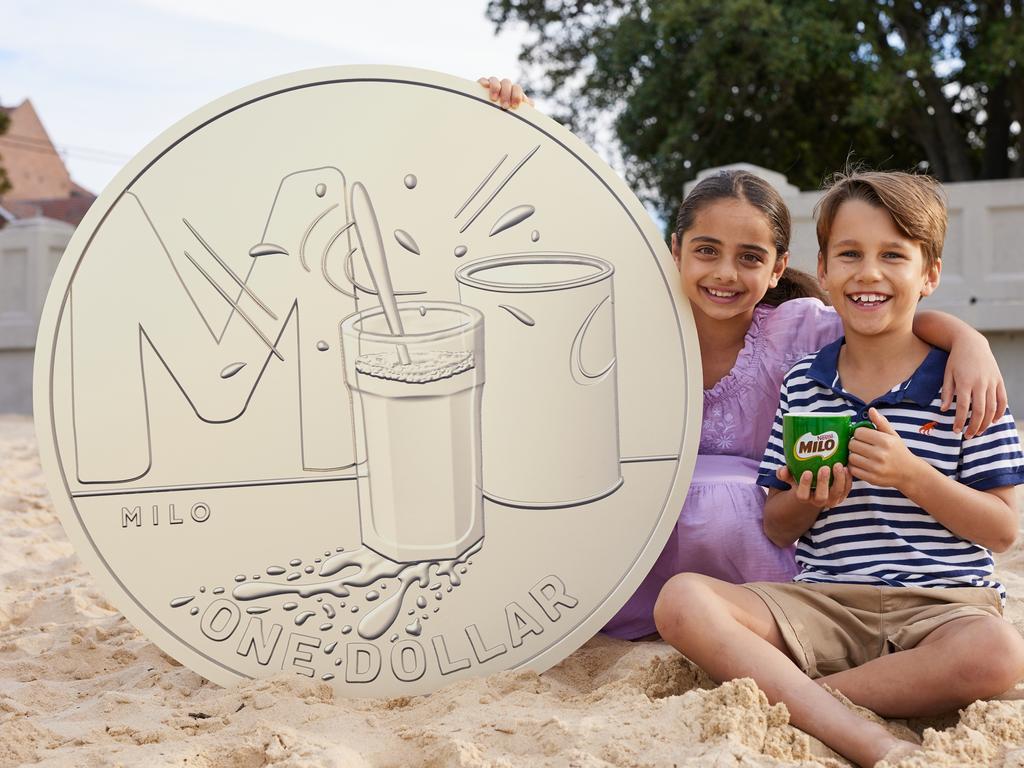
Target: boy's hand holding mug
880,457
830,488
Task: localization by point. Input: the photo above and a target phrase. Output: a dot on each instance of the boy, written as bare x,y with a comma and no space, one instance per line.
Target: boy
895,605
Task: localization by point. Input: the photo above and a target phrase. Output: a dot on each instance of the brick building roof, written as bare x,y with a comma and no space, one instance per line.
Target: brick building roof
41,184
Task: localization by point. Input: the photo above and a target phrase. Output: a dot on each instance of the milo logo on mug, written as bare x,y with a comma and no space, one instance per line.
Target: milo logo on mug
813,440
809,445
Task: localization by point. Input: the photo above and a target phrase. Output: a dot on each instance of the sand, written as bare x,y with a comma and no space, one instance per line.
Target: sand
81,686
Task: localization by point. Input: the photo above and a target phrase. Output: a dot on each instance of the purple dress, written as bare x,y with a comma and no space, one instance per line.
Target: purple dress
719,532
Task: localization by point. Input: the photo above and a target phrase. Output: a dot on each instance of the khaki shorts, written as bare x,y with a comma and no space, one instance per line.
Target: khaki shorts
832,627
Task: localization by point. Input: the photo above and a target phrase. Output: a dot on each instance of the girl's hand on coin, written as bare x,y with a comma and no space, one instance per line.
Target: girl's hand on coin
880,457
825,494
507,94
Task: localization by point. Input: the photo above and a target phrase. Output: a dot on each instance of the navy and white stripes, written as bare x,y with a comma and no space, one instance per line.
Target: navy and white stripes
878,536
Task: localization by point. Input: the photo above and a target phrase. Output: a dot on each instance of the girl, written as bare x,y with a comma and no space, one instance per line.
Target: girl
755,318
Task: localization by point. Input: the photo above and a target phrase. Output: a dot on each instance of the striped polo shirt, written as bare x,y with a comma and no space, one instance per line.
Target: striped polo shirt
877,535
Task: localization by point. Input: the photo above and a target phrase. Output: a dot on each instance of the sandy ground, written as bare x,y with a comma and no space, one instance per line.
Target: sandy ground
81,686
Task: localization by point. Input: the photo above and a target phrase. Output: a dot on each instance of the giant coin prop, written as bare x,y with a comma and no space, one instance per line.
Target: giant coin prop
353,374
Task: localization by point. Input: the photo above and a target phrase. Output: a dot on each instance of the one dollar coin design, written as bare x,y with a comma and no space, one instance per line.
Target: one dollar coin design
355,375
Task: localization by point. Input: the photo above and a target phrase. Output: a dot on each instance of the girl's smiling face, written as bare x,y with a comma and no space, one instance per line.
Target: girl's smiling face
727,260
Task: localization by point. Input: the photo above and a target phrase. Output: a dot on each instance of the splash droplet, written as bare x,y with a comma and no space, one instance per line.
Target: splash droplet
378,620
231,370
218,590
266,249
180,601
421,601
535,236
293,576
346,629
322,345
329,648
326,626
327,677
309,569
423,313
321,190
460,251
512,217
290,606
414,629
275,570
194,611
239,578
405,240
302,617
372,595
519,315
295,562
410,181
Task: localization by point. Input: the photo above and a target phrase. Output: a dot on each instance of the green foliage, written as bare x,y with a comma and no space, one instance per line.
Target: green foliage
801,86
5,182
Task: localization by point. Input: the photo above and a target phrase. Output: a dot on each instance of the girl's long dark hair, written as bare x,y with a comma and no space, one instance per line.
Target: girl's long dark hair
743,185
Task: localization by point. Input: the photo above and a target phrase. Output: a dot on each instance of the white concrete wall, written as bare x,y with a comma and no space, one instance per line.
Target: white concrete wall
983,261
29,252
982,277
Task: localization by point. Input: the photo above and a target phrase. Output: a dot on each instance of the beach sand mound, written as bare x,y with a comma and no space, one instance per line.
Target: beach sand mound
81,686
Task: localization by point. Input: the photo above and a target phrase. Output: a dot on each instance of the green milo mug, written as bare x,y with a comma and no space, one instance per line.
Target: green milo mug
813,440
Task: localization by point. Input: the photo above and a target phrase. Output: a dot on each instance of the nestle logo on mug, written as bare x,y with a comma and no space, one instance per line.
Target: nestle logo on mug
809,445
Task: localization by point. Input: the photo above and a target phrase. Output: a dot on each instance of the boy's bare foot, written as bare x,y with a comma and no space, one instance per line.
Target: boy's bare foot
897,752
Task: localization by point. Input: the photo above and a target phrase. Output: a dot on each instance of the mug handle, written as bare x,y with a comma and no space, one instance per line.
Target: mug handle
857,425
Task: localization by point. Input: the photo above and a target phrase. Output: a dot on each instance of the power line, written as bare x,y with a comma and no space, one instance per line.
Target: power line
43,142
21,144
34,144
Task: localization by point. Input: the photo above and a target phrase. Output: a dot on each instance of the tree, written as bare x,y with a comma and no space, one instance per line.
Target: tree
5,182
800,86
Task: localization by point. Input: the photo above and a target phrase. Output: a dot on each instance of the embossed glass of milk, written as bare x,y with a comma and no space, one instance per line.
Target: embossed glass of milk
550,414
417,428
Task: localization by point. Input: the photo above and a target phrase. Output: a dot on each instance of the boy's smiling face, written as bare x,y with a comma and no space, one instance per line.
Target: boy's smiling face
873,273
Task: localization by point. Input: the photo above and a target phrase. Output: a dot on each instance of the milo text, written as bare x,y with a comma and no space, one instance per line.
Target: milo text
824,445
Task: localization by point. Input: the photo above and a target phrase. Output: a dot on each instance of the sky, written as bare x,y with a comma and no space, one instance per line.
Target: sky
107,76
